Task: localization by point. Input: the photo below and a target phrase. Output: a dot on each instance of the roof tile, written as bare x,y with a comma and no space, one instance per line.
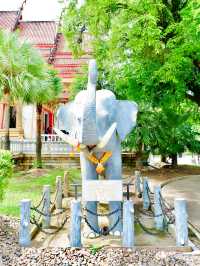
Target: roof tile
8,19
38,32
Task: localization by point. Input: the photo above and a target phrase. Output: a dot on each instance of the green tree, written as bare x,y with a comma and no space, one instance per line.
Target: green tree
153,45
20,70
24,76
167,132
147,51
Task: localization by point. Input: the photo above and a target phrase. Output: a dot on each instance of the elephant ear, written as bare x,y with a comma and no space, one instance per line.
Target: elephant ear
126,117
65,118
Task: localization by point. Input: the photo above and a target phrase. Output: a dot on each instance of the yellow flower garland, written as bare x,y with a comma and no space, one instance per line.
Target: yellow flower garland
100,168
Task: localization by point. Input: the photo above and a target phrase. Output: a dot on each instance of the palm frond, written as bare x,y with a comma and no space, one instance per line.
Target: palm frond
24,73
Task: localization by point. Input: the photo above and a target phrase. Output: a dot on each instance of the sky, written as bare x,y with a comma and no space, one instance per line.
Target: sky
34,9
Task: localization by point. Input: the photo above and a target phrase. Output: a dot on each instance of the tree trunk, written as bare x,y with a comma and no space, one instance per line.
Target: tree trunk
138,163
139,156
38,136
174,160
7,121
163,159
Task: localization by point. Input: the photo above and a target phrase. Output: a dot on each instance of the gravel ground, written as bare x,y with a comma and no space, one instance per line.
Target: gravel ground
12,255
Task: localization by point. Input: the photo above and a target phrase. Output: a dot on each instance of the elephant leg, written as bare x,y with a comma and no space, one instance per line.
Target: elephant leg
114,172
88,172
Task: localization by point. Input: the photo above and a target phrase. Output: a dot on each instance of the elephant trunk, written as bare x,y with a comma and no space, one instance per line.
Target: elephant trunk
89,128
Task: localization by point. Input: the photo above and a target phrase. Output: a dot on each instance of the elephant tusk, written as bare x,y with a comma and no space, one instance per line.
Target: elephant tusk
66,138
73,142
82,146
86,152
105,139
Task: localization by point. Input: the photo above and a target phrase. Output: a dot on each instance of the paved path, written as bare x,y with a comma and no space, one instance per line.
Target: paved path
188,188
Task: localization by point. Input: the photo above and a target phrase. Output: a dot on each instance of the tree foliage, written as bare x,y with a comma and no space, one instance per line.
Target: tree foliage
153,45
23,73
25,77
20,68
6,168
147,51
165,132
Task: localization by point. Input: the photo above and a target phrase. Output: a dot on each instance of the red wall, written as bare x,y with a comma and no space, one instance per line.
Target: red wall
1,115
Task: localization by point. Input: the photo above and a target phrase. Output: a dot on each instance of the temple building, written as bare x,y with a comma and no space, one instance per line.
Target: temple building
46,38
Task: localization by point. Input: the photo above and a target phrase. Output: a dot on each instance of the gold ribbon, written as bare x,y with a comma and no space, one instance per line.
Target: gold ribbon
100,168
99,162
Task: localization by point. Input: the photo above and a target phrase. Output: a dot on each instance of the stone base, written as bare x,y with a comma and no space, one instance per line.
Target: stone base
15,133
26,161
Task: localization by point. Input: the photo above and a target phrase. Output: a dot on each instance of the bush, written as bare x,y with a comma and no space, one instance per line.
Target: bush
6,169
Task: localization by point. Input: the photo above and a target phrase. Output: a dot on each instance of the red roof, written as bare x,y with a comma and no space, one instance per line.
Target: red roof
38,32
8,19
67,66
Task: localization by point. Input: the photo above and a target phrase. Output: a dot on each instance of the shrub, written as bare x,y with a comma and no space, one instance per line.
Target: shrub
6,169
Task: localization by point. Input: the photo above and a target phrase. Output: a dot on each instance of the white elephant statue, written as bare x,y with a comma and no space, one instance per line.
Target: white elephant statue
96,122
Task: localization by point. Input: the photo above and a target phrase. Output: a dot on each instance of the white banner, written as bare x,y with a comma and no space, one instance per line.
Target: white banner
102,190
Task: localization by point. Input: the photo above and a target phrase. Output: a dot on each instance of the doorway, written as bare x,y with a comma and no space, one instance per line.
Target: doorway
12,117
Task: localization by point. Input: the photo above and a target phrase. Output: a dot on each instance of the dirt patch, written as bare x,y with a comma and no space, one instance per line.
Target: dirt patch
37,172
163,173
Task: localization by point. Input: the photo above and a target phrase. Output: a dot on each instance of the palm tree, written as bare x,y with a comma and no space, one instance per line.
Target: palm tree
20,69
24,76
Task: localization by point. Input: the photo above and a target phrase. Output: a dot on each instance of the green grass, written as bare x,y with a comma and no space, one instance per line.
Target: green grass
95,249
29,185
